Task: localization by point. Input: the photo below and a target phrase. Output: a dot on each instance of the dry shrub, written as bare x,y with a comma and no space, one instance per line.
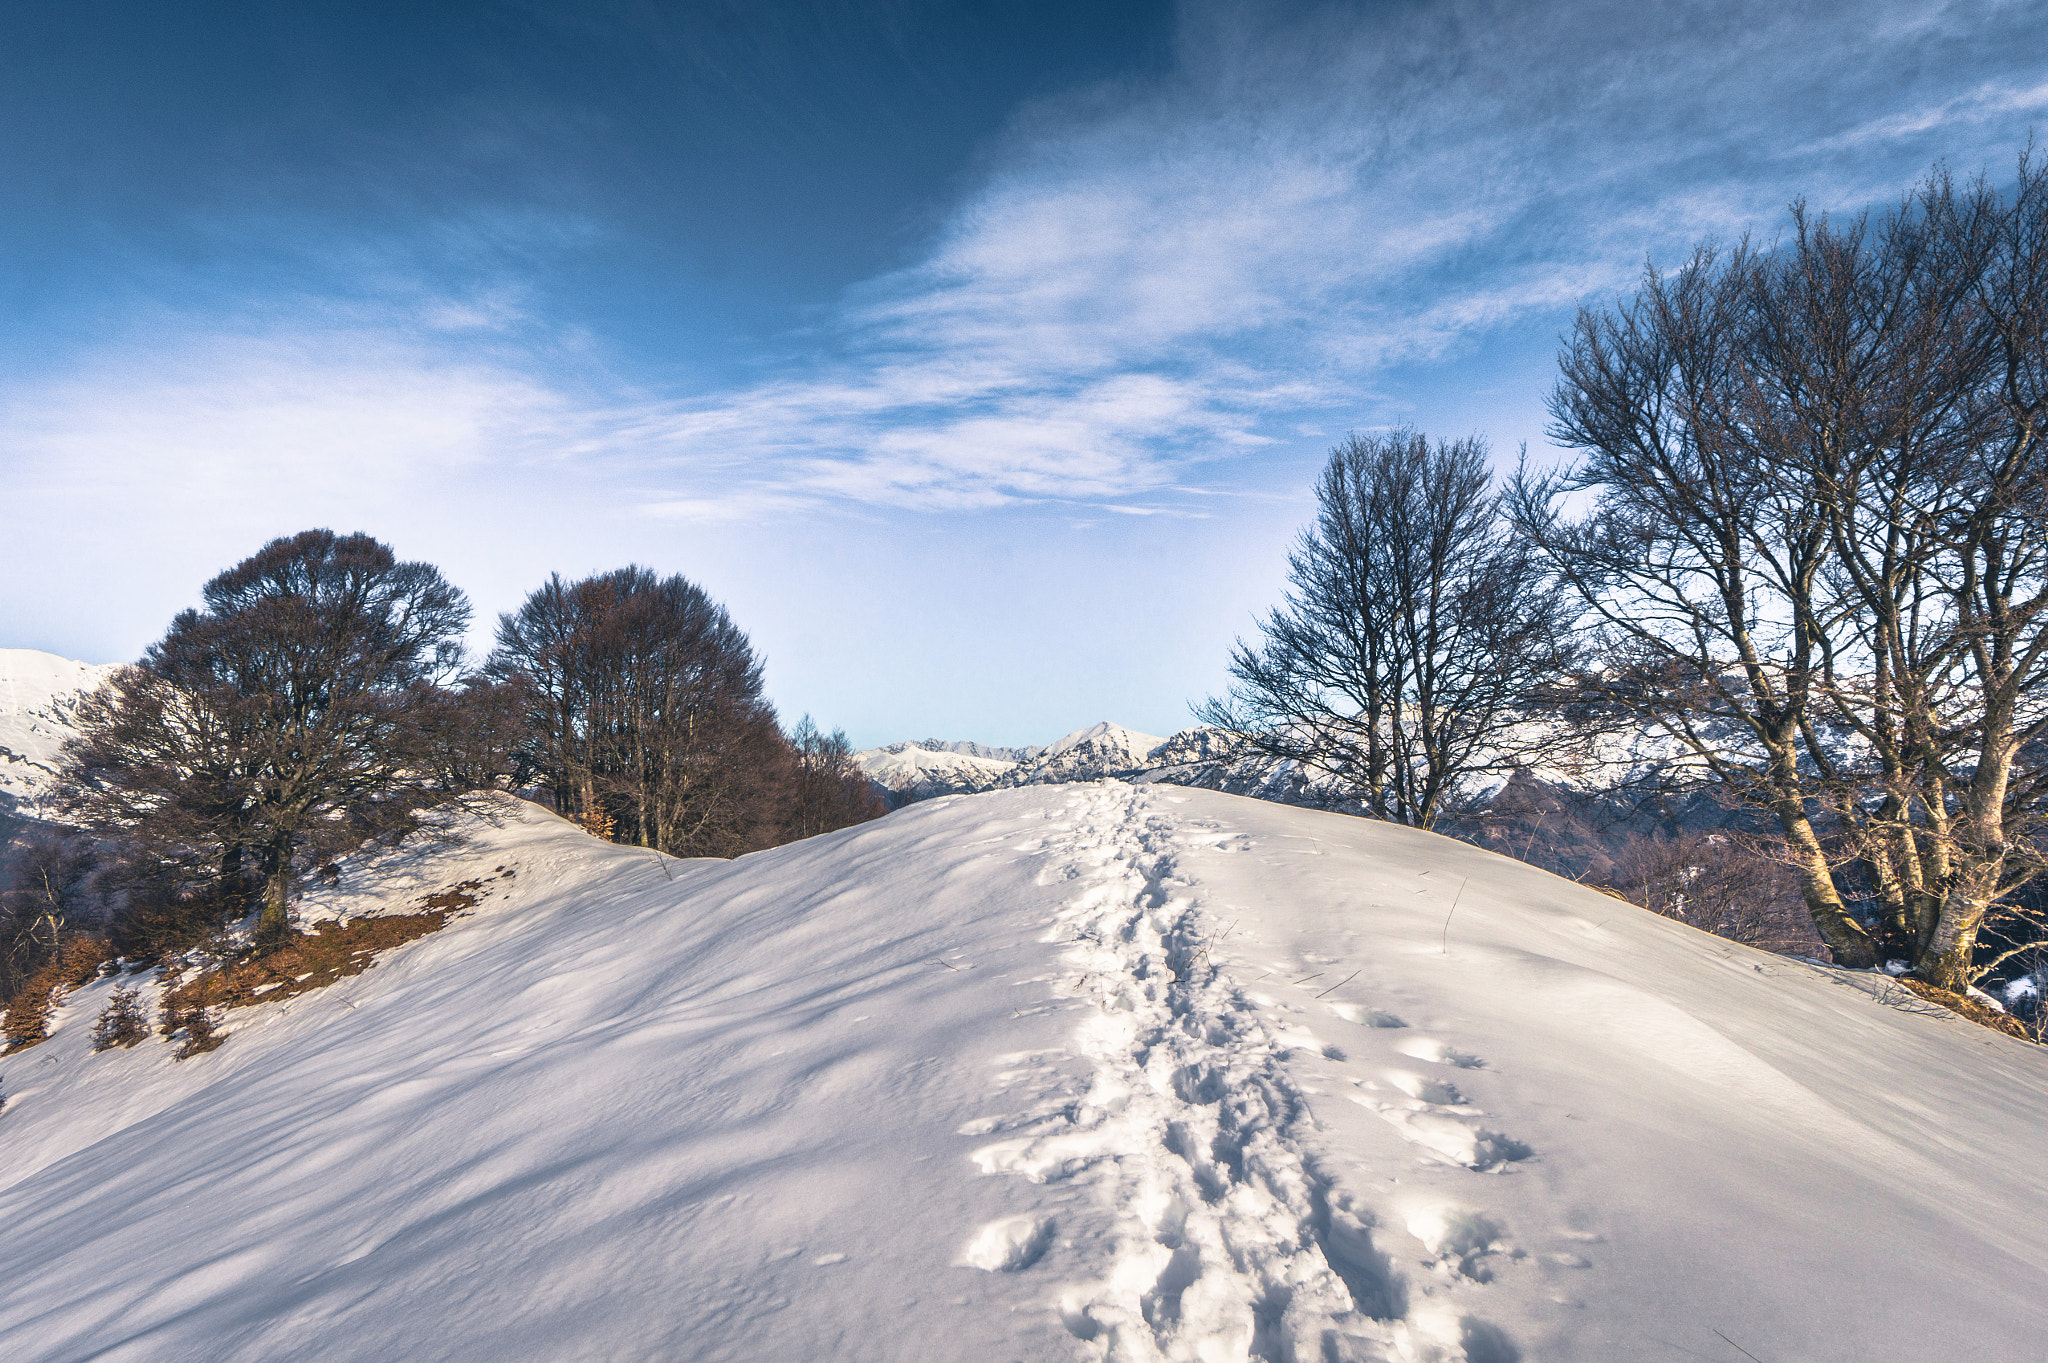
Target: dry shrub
79,961
1724,883
122,1022
1966,1007
27,1019
190,1019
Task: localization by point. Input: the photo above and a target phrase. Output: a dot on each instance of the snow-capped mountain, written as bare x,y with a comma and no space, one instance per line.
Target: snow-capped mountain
908,771
919,770
39,695
1099,750
1201,757
1000,754
1080,1072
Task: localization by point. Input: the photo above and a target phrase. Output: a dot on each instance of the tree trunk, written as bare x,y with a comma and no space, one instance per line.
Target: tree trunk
276,923
1848,941
1949,955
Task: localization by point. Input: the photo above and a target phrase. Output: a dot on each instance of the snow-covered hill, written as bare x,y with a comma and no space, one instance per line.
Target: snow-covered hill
38,694
1055,1072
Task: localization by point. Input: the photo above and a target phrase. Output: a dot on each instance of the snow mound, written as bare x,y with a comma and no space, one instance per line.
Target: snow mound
39,695
1084,1071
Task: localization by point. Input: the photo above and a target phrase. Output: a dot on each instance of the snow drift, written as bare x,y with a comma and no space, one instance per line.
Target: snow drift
1096,1071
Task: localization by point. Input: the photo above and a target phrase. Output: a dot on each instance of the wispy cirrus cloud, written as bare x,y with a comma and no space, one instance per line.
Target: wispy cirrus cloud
1157,279
1148,284
1992,102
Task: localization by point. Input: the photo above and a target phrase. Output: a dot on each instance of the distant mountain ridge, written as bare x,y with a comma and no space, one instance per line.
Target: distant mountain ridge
1207,758
969,749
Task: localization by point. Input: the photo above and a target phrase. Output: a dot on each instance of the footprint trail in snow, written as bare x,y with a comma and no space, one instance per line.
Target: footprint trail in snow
1228,1241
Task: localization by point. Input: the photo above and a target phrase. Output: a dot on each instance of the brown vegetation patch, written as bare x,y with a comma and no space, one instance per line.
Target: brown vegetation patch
305,961
1964,1006
27,1019
462,896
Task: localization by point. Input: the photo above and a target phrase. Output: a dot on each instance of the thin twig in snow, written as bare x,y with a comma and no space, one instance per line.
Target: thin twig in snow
1203,954
1341,983
1739,1349
1444,948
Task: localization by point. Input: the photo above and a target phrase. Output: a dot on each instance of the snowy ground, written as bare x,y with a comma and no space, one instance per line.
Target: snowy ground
1047,1073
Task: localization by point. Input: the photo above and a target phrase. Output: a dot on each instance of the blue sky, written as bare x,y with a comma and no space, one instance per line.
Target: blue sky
978,355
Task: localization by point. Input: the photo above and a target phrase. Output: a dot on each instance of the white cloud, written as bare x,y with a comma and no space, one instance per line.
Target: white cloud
1179,272
1989,102
1151,281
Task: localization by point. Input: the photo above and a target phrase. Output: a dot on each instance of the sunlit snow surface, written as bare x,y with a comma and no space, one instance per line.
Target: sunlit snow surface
1057,1072
39,693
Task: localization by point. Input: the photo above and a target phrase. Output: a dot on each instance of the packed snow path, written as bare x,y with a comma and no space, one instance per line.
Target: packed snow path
1219,1230
1083,1072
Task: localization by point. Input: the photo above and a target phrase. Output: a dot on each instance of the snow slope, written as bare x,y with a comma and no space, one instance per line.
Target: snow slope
1059,1072
38,693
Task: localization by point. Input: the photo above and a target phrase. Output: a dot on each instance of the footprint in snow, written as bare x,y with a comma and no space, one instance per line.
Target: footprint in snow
1437,1053
1365,1017
1452,1137
1441,1122
1459,1238
1011,1244
1441,1091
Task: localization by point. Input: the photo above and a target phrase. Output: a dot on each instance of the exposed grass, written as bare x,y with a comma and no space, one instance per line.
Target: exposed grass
191,1008
1970,1008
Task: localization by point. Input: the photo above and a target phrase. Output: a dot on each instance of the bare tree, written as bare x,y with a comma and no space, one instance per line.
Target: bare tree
1722,882
1818,549
824,790
1701,570
280,718
644,708
49,896
1415,636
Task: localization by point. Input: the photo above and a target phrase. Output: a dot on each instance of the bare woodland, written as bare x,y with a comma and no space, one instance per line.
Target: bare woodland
1804,545
1801,549
318,700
